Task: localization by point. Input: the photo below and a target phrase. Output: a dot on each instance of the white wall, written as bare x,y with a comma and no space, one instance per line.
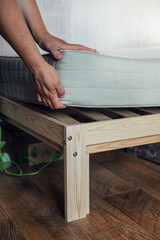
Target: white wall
102,24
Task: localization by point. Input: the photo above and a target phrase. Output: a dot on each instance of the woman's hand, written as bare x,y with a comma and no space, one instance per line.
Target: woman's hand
53,45
49,87
13,17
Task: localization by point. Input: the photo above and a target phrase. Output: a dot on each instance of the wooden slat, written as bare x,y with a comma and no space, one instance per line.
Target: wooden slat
59,115
93,115
35,134
48,127
123,112
121,129
150,110
87,188
64,118
122,144
76,174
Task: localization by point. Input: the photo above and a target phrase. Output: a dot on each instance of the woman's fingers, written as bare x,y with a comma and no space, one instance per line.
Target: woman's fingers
75,47
49,87
49,102
50,99
45,102
55,100
39,98
56,54
60,90
79,48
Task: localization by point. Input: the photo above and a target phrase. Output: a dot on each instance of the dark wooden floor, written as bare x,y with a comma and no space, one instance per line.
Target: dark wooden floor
125,202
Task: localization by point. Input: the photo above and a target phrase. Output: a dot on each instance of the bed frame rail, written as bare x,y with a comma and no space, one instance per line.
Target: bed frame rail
78,132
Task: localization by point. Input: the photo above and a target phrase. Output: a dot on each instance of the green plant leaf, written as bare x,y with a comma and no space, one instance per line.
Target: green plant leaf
5,157
48,152
56,156
21,156
0,133
5,161
35,152
2,144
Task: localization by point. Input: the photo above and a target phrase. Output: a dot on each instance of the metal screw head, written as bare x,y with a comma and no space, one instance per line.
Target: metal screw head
70,138
75,154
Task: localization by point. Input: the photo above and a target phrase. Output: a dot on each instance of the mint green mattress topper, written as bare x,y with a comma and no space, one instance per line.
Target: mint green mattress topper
90,80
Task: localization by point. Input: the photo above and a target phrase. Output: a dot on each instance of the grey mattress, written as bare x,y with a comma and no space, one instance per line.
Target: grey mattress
90,80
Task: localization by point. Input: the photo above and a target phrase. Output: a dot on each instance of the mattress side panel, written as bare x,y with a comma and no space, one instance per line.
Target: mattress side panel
95,80
90,80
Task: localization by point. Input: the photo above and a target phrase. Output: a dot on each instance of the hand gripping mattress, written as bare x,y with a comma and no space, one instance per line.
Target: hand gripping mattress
90,80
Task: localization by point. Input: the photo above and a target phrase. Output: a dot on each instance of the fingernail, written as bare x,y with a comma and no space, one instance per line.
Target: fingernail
62,96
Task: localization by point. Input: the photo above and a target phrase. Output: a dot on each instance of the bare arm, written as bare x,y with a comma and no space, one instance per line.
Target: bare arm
45,40
33,18
14,29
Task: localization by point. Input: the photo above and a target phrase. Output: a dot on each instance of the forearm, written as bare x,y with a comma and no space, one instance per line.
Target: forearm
45,40
14,29
33,18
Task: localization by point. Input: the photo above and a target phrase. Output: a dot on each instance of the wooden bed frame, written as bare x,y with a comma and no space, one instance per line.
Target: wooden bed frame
79,132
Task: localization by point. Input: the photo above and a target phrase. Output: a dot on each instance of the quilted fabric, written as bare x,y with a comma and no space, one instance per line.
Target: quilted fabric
90,80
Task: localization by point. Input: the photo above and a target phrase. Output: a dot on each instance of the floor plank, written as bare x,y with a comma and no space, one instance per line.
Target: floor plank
134,172
109,223
119,184
145,162
7,229
106,183
140,207
38,215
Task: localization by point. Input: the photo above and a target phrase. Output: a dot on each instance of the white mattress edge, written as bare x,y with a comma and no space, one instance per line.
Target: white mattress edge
130,53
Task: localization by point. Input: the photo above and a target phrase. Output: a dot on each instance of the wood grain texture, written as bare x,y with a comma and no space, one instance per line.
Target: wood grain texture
153,110
148,164
134,172
92,114
8,230
121,129
36,121
140,207
64,118
119,221
105,183
76,174
87,188
35,134
122,144
37,212
99,136
60,115
123,112
97,227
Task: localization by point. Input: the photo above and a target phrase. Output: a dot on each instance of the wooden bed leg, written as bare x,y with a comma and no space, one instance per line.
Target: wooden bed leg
76,173
88,184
